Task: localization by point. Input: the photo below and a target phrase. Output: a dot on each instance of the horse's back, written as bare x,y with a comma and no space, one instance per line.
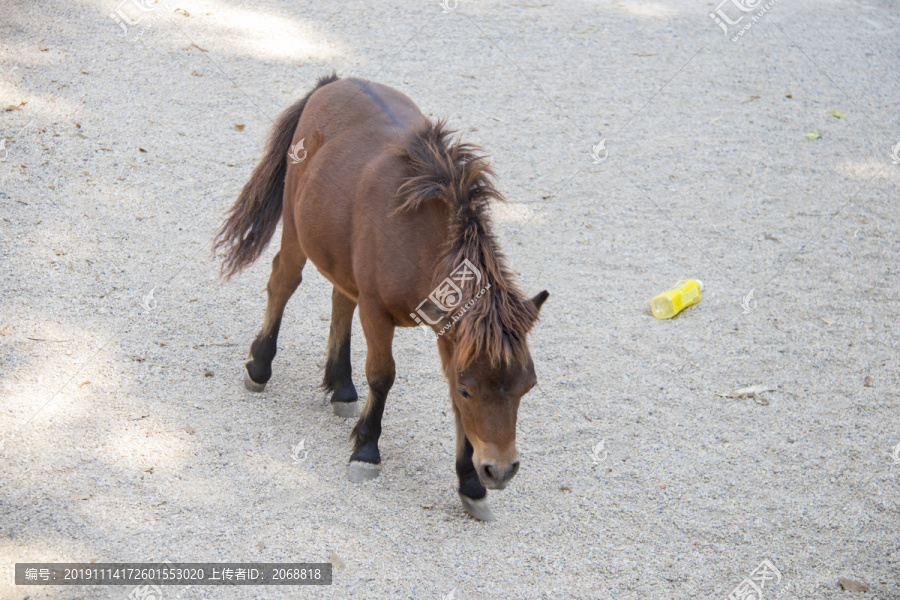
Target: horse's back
343,196
357,107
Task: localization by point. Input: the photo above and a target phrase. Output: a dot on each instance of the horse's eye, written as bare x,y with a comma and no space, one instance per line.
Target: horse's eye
463,393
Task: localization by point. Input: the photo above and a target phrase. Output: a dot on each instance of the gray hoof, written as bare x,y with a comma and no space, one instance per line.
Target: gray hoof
252,385
361,472
478,508
345,409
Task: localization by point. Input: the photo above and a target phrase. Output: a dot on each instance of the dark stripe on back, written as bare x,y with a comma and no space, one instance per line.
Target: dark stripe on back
380,102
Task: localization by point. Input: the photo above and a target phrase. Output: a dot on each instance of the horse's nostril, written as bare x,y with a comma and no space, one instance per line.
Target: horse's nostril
490,471
515,468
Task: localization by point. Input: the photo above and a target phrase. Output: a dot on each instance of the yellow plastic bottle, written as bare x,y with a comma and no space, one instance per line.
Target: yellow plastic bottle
668,304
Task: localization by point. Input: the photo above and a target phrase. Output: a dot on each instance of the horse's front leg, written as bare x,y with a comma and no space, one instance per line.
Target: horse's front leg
365,462
471,492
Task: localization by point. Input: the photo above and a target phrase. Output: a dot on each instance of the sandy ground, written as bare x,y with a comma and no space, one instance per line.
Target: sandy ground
127,435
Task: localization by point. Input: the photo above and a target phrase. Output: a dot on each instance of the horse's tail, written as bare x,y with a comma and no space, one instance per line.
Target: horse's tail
252,219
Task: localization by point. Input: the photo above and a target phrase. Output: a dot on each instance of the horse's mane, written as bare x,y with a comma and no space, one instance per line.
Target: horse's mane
458,174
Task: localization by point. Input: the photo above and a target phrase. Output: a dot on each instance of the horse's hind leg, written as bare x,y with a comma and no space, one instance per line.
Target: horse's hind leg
287,273
471,492
379,330
338,374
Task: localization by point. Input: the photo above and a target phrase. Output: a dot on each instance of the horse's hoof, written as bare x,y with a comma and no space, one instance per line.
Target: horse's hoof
345,409
252,385
478,508
361,472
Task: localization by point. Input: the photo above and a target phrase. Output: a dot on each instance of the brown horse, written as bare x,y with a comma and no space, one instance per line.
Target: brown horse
394,214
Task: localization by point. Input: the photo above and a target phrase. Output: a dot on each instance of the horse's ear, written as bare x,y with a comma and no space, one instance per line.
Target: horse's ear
539,299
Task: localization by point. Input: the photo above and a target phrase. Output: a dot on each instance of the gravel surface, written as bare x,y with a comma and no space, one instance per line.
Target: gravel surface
126,433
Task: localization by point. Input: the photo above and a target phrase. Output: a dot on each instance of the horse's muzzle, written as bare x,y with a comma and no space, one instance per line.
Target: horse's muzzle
495,476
